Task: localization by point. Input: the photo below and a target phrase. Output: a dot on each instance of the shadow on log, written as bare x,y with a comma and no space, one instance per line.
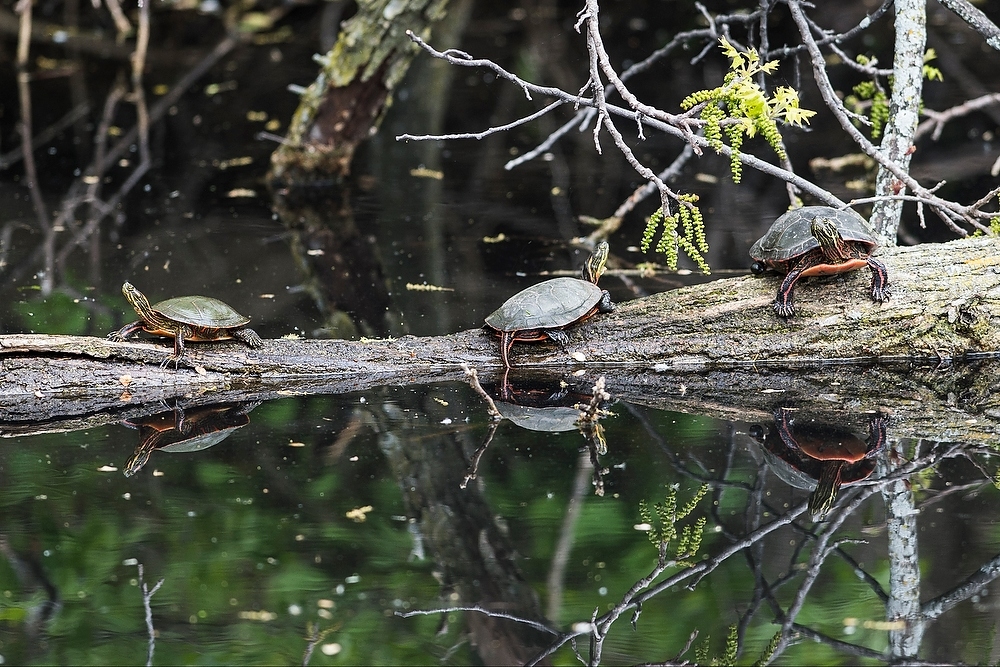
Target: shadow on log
714,349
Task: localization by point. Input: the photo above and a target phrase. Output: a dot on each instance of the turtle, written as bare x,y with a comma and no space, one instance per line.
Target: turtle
819,456
186,318
189,430
545,309
817,241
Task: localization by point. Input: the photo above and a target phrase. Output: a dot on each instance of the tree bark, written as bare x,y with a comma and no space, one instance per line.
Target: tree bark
716,349
904,113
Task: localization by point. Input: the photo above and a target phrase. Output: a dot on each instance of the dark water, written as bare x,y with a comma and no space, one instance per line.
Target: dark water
308,528
306,523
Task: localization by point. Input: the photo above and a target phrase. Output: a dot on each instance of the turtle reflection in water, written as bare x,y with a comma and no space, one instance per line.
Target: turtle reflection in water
820,457
190,430
542,408
551,419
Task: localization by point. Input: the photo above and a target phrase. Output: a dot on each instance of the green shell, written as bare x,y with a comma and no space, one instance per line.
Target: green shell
551,304
201,311
790,236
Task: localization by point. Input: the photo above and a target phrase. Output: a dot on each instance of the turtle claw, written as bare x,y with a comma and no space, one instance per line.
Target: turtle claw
784,309
881,293
559,336
174,358
248,336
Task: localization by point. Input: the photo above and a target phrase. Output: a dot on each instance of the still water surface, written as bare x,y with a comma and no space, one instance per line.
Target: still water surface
310,529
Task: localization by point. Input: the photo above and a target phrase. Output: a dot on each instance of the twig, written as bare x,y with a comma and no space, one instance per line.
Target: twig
15,155
937,119
484,133
480,610
973,584
472,471
122,25
147,596
649,187
473,376
862,25
582,119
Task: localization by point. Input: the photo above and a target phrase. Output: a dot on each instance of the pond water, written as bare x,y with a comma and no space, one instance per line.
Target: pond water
402,525
316,524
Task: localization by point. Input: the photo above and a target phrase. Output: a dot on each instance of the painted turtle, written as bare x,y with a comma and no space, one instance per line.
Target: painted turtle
189,430
820,457
545,309
817,241
191,318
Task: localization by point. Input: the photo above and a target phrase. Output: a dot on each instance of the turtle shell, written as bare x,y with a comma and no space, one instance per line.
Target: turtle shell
552,304
554,419
201,311
790,236
802,468
830,443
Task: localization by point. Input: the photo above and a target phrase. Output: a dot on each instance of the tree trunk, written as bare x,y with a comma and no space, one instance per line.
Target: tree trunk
346,101
715,349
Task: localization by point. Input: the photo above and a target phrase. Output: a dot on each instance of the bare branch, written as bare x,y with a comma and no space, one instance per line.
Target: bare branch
976,19
862,25
492,613
698,143
950,212
938,119
484,133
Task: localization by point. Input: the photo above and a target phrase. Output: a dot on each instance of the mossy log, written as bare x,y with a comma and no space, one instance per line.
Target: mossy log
714,349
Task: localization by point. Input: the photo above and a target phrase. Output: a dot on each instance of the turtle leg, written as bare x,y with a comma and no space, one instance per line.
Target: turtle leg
506,342
125,332
178,349
559,336
180,419
248,336
880,280
876,434
783,301
605,305
505,387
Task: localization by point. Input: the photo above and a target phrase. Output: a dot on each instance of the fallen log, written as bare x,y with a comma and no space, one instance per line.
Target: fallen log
715,348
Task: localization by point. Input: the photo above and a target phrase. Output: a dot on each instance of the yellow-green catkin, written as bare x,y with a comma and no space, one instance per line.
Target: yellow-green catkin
747,106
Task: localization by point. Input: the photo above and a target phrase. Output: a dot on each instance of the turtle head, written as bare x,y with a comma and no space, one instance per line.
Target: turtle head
825,493
830,241
596,263
820,504
136,299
